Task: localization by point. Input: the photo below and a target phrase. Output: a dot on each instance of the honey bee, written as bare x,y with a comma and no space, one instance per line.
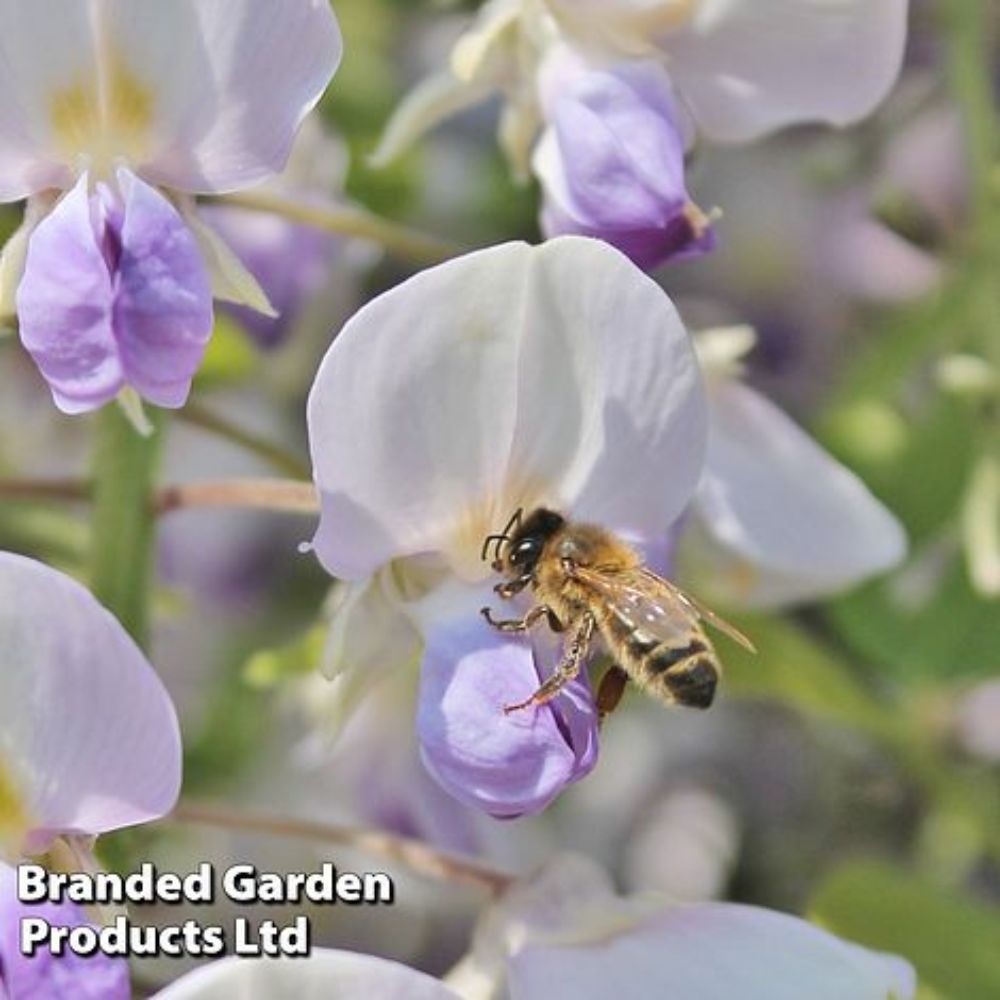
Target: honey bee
590,584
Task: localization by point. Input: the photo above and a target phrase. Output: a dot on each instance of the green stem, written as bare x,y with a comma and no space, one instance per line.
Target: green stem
123,538
274,454
342,220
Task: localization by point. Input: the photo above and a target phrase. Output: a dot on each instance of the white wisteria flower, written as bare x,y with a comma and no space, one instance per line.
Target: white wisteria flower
776,520
89,740
602,97
511,377
567,925
113,114
557,376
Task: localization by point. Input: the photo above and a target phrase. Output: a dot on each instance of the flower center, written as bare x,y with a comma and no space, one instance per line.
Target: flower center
106,119
14,821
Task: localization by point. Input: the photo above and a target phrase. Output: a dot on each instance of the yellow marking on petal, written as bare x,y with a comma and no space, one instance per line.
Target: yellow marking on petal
14,820
664,17
106,119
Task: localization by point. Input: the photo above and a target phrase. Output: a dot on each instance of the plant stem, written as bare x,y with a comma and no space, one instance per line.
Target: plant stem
282,461
123,520
66,490
347,221
414,854
262,494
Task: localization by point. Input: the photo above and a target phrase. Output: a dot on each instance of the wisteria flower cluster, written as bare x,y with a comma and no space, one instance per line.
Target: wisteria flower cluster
167,157
113,117
602,101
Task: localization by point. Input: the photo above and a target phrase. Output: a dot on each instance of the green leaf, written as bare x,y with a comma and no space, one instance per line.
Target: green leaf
953,942
268,668
230,357
791,666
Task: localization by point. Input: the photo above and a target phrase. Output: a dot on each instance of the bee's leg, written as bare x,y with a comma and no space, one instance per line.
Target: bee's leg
610,691
510,588
538,612
567,670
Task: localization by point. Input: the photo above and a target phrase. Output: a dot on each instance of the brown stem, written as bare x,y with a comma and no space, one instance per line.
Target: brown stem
414,854
70,490
262,494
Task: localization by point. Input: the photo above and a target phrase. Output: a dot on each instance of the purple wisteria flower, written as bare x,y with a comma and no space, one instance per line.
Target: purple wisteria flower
611,161
89,740
112,114
508,378
96,977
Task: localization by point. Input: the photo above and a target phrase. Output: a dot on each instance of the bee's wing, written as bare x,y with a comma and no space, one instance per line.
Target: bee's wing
641,601
706,614
647,601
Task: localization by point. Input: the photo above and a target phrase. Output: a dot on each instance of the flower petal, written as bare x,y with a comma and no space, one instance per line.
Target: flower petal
792,522
88,735
96,977
163,304
64,304
230,83
46,55
325,973
713,950
432,415
746,67
232,281
611,164
508,765
369,639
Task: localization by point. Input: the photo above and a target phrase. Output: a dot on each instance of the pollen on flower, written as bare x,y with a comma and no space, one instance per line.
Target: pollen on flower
13,817
107,118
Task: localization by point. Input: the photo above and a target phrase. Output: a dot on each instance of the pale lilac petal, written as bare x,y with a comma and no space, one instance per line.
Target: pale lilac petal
46,50
97,977
325,973
611,164
431,417
710,951
89,739
507,765
794,522
65,305
746,67
230,83
163,302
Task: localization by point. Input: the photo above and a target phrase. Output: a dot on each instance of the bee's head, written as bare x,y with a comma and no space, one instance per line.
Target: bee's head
517,549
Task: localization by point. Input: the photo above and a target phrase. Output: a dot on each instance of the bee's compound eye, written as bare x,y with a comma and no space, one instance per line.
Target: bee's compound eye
524,552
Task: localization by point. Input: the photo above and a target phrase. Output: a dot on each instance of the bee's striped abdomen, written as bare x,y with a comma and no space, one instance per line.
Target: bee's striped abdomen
687,675
683,675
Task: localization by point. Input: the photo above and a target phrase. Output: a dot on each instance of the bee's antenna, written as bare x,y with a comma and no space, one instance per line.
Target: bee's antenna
486,545
504,536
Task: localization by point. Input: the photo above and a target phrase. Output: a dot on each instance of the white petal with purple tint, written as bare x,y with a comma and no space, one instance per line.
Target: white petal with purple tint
790,522
326,973
230,83
515,375
747,67
88,736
